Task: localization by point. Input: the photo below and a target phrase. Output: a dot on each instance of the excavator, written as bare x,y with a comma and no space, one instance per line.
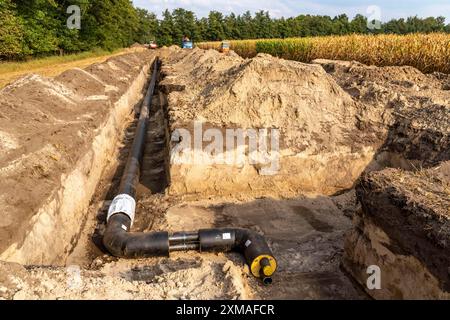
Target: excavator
186,43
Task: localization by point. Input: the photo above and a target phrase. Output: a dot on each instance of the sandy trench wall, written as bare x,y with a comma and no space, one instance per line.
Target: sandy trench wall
403,275
318,174
403,228
49,231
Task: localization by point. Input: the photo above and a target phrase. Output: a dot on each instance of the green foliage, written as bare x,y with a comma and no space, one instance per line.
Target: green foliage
147,27
38,27
11,31
215,29
165,29
298,49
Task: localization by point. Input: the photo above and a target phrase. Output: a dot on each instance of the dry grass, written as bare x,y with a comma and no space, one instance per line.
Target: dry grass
427,53
53,66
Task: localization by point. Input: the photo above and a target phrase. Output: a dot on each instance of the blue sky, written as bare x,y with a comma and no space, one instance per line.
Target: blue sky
388,8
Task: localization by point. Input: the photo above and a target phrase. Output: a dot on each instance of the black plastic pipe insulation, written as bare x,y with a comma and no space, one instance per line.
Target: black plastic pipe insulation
120,242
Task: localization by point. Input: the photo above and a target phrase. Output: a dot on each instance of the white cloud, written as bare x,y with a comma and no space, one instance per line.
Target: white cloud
203,7
288,8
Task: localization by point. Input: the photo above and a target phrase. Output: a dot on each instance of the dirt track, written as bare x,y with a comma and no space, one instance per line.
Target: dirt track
337,120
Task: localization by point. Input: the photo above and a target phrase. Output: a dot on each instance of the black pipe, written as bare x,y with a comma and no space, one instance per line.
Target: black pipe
130,178
122,243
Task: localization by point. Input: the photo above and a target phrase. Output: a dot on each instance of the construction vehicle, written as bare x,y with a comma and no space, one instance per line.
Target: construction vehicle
153,45
186,43
225,47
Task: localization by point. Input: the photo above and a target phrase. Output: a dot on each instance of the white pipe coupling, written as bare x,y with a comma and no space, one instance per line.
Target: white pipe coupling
125,204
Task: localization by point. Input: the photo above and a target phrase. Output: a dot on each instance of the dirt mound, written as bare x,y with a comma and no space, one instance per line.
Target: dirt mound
410,109
405,76
317,120
336,122
199,277
264,92
403,89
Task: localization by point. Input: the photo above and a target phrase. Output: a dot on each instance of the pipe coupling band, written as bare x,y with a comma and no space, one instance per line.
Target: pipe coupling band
123,203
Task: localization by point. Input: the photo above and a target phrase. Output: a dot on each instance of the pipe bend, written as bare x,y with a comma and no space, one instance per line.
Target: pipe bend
122,243
249,243
257,253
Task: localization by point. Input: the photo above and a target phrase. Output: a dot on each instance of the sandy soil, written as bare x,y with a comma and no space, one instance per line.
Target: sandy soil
322,148
52,69
338,120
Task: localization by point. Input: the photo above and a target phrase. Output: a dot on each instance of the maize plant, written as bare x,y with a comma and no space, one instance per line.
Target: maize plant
426,52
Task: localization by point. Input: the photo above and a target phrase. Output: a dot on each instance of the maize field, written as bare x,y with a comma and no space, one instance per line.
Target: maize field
426,52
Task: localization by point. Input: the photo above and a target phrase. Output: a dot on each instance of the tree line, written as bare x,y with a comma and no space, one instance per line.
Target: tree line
38,27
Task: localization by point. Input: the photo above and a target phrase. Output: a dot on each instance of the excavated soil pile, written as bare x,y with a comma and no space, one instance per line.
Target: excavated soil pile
194,277
410,109
322,148
403,225
56,136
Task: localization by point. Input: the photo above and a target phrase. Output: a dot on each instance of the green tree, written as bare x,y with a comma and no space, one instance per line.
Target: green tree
231,28
147,26
263,25
215,26
184,23
202,27
358,24
282,28
341,25
165,29
11,31
110,24
247,26
40,25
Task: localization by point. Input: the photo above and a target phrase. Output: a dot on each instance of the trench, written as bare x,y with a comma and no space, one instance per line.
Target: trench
305,229
306,233
293,224
154,179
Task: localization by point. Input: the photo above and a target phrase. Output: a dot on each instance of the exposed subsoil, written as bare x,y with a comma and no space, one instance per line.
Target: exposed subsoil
338,121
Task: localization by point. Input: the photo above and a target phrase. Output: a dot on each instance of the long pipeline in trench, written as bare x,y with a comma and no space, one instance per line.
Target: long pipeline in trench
120,242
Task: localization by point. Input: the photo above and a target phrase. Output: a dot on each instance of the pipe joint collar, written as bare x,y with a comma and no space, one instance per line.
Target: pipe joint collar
124,204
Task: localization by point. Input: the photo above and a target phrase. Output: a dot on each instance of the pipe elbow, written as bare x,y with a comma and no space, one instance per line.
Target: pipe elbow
115,244
257,253
115,236
249,243
123,244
